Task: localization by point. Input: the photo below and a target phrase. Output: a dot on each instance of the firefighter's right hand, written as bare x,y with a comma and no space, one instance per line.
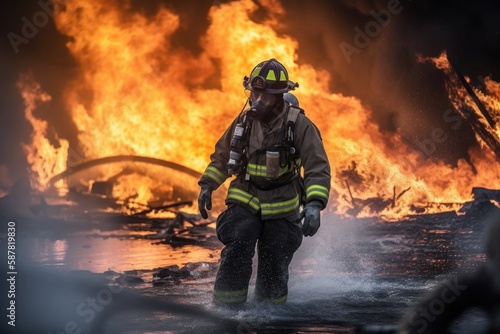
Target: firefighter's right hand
205,200
311,216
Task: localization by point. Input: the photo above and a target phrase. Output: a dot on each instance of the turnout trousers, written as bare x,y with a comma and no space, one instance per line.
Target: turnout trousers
241,231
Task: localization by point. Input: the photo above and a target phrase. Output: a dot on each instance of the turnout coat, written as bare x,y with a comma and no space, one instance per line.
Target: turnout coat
304,171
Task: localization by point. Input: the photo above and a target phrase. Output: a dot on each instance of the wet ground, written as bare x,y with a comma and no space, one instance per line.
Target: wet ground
121,278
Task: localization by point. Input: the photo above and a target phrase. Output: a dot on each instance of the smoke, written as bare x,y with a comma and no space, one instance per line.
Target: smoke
405,96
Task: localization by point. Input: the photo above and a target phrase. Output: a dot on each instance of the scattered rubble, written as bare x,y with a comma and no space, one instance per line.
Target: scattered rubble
373,204
173,274
483,200
129,279
97,208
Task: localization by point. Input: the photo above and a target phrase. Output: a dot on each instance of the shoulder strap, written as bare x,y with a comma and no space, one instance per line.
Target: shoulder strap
293,114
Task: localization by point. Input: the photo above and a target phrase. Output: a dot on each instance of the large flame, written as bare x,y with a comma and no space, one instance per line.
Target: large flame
464,102
45,158
138,94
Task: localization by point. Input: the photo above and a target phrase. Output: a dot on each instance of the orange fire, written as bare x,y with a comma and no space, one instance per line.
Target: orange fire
45,159
136,94
463,102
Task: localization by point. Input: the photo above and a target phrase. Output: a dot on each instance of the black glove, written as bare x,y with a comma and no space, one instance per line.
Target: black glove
205,200
310,214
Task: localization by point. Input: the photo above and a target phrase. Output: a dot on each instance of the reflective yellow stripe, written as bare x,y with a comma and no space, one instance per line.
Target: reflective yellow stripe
244,197
260,170
278,300
256,170
271,75
280,207
317,190
267,208
256,71
237,296
282,76
215,174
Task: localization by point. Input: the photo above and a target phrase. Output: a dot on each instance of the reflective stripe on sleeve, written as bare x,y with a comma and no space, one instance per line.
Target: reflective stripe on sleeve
317,190
215,174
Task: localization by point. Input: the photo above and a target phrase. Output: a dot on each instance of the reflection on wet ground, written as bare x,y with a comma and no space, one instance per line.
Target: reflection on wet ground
99,254
120,246
354,272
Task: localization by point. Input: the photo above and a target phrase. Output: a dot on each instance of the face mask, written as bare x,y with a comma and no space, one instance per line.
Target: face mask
261,104
258,111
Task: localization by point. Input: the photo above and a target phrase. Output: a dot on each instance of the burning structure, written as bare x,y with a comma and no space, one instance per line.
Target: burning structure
137,91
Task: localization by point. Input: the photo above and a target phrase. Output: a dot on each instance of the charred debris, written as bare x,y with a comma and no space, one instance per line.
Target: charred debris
163,222
98,209
483,199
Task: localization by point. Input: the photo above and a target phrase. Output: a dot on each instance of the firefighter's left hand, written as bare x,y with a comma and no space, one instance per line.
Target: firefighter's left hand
205,200
311,216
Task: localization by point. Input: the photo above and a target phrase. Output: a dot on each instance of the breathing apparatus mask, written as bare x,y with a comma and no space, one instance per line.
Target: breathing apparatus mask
261,106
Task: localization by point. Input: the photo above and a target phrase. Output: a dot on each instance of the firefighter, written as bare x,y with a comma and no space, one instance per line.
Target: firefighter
280,164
